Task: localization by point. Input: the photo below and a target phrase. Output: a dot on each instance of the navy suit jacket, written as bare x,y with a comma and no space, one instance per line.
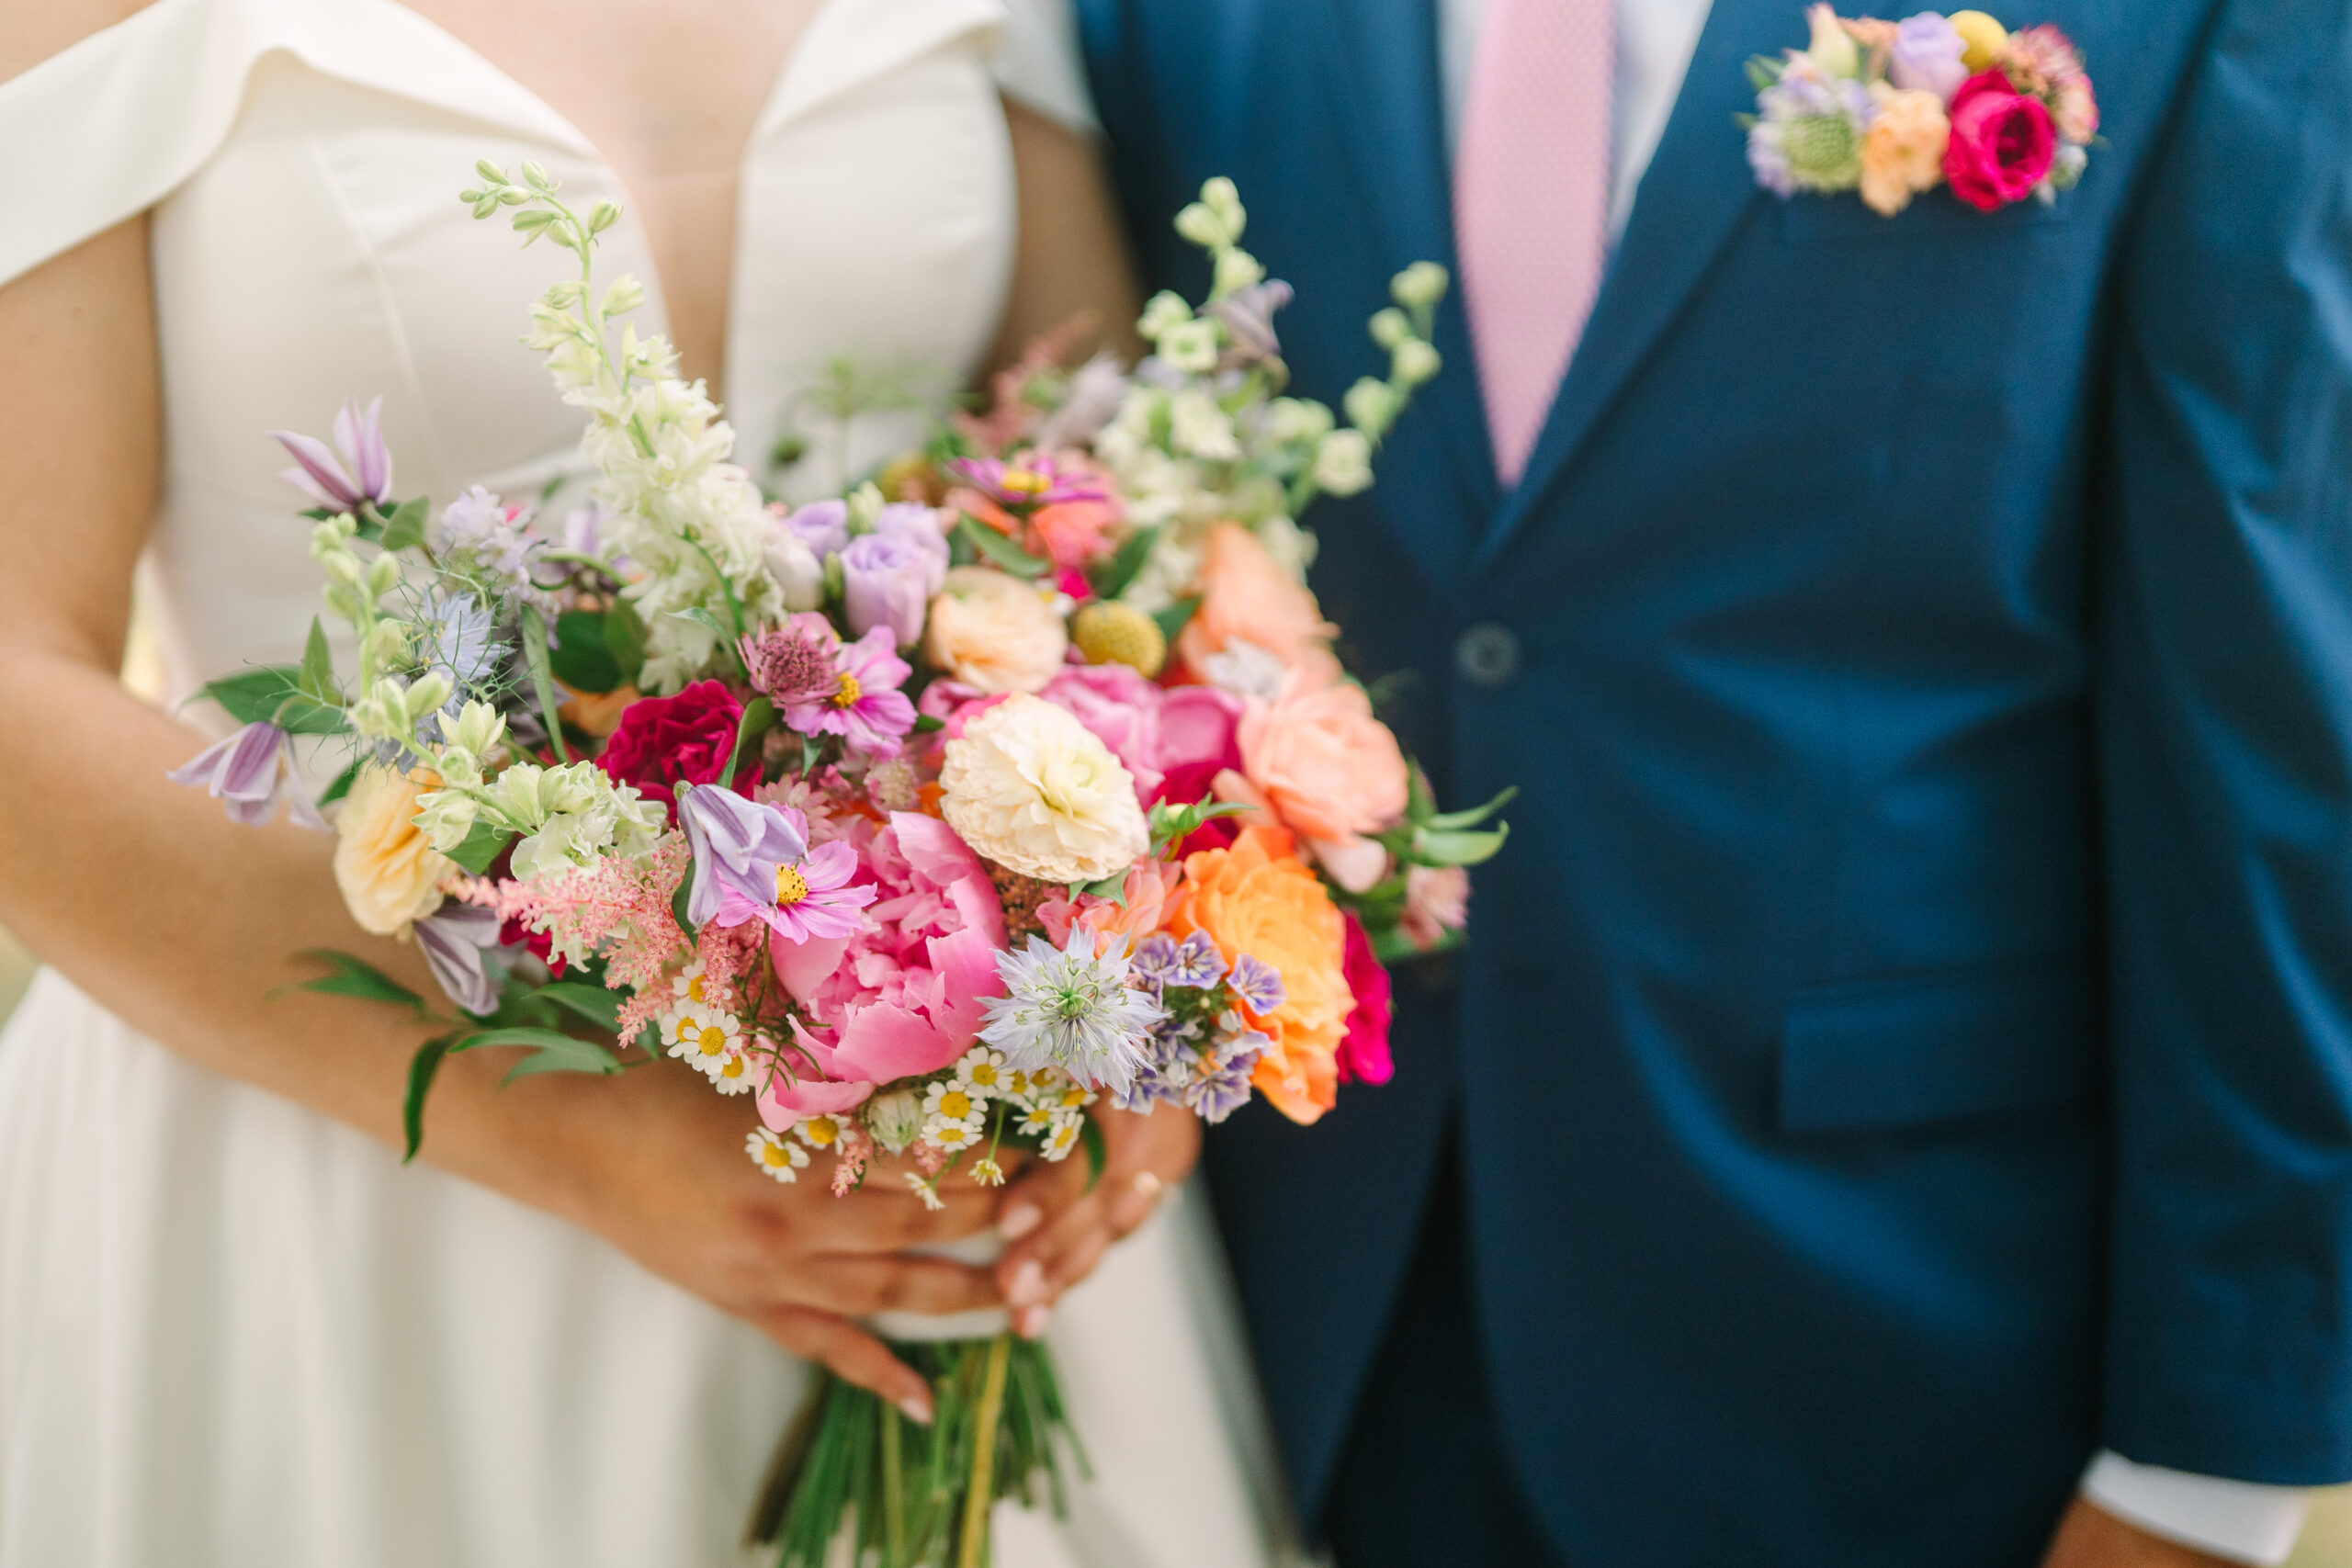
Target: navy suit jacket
1907,1040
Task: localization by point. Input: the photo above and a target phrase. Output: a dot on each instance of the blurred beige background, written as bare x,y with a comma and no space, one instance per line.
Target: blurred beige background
2327,1543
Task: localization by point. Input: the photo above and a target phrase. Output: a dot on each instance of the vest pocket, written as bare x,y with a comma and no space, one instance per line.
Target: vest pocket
1986,1042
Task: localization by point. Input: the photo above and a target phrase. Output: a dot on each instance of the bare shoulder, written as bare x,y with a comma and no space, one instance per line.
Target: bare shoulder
32,30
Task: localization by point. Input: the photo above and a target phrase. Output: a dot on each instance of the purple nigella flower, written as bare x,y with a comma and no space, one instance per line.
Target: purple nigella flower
360,438
1248,318
1029,479
453,939
250,773
1258,983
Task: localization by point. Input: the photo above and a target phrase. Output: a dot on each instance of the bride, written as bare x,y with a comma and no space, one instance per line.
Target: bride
233,1329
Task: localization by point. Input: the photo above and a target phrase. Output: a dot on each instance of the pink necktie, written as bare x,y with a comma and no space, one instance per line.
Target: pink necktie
1530,204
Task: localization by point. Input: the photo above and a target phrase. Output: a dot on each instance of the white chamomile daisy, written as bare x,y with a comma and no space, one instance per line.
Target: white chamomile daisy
734,1074
981,1072
702,1036
950,1136
1016,1083
1062,1137
1072,1098
819,1131
927,1189
987,1172
774,1155
1037,1120
688,986
954,1102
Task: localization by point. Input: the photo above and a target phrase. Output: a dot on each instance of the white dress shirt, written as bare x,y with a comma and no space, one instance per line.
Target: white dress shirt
2236,1520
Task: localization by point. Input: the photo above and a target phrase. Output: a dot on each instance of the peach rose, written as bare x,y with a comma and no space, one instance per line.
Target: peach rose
389,870
1246,596
1259,897
1330,768
994,632
1903,154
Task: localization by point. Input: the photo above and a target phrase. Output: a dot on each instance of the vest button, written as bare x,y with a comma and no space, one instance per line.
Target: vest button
1488,655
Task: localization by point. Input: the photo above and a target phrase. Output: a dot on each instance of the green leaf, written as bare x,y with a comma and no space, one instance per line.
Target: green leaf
556,1053
303,715
759,717
421,1069
594,1003
404,529
1444,848
624,641
1089,1136
703,617
580,658
316,677
999,551
353,978
1112,577
678,907
1471,818
1420,801
925,724
535,653
254,696
1173,618
342,781
482,847
1392,947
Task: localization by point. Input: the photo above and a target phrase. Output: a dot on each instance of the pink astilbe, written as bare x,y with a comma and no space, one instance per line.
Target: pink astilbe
727,953
855,1148
618,909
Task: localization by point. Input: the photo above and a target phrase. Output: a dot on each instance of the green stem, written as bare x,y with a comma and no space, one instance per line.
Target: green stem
894,1501
982,1490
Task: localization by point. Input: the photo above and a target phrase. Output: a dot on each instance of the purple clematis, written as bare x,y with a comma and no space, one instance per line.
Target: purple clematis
1249,317
359,435
251,772
454,939
753,862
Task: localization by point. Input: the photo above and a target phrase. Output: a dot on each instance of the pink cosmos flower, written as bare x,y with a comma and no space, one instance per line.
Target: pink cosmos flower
1029,478
814,898
864,707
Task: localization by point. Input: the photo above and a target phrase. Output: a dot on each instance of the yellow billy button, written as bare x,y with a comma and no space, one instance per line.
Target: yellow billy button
1986,40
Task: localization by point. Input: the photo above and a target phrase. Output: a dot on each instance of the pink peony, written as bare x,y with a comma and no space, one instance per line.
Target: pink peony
905,995
2002,142
1363,1049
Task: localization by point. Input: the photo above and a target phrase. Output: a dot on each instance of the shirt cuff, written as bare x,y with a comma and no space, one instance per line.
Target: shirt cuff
2241,1521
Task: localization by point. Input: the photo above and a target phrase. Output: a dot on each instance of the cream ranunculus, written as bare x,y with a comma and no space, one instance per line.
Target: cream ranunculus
389,870
1034,790
994,632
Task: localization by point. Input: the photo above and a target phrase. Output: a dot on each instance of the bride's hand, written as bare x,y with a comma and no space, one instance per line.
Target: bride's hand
1059,1229
654,1162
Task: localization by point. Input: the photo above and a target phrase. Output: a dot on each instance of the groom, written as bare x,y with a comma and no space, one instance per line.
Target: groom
1896,1108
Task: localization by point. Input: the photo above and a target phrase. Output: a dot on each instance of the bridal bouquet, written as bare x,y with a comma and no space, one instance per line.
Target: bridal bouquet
925,816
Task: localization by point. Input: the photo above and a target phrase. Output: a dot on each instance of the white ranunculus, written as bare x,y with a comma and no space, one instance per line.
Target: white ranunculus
1030,788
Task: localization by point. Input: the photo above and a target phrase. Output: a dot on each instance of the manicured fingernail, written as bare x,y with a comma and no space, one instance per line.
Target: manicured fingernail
1028,1284
916,1409
1017,1222
1149,1185
1030,1322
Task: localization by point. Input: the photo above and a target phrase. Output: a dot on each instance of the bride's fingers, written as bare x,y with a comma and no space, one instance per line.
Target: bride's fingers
858,1284
852,1355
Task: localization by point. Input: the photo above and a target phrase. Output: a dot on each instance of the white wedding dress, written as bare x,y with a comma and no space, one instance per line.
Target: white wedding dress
234,1334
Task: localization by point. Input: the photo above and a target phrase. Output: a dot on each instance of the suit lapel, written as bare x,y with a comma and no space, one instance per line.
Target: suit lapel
1696,194
1387,60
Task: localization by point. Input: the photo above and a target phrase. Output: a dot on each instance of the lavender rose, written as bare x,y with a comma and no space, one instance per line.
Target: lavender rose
1928,56
886,580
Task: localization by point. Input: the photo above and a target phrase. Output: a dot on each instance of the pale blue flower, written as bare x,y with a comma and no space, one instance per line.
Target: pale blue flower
1072,1008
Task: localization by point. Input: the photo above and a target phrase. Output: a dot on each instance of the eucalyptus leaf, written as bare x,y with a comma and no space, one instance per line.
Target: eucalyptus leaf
576,1057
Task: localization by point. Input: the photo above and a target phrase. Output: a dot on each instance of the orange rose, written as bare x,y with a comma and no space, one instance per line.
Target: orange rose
1246,596
1258,897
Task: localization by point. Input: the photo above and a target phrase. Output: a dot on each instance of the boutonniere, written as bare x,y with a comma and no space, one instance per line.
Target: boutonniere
1893,109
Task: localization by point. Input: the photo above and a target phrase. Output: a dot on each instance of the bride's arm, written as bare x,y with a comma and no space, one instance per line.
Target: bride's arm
182,923
1073,258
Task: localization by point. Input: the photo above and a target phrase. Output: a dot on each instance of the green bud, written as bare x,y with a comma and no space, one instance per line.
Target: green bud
1420,287
1414,363
1370,405
1390,328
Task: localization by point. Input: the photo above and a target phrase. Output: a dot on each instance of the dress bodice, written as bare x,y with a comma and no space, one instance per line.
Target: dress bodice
303,158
